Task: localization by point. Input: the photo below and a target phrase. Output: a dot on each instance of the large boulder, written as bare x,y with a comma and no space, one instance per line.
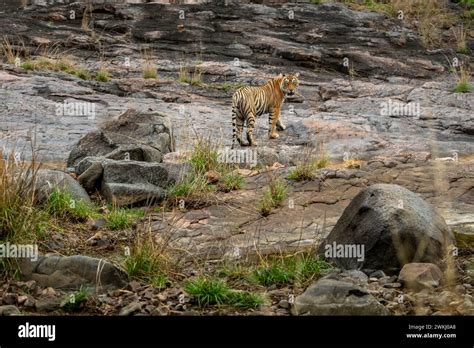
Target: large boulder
140,136
391,226
72,272
47,180
127,182
338,294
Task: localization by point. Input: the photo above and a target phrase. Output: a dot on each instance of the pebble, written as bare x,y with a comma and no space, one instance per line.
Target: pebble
284,304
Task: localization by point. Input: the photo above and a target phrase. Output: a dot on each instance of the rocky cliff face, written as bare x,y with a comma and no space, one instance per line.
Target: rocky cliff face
352,65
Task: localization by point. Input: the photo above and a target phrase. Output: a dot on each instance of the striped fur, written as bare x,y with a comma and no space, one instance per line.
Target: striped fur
252,101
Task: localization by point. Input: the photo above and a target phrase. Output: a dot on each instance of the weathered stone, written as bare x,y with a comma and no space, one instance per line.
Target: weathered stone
72,272
334,297
417,276
91,178
47,180
9,310
141,136
394,225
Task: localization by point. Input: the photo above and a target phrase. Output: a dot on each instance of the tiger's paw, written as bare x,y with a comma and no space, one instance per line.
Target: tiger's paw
273,135
251,140
280,126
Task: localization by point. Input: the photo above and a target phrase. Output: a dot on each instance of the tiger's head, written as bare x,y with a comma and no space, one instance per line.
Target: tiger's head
289,83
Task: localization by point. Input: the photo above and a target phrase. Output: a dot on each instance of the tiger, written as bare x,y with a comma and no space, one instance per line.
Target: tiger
251,101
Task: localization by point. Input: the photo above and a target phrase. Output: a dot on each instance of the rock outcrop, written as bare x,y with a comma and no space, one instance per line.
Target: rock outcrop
392,226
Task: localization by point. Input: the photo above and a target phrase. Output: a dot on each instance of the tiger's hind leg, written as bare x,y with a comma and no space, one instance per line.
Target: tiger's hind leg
237,126
250,127
239,131
279,125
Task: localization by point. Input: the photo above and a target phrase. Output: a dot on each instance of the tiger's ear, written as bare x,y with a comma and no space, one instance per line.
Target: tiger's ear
297,75
281,75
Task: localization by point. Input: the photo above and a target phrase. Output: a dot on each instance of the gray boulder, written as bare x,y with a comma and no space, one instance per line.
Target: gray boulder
129,182
72,272
47,180
140,136
337,297
393,225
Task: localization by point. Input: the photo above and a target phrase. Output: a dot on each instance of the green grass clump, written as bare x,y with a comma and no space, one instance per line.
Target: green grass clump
150,71
148,260
208,291
28,65
60,204
194,78
119,218
462,87
204,156
102,76
281,271
83,74
76,300
215,292
21,221
244,299
231,181
273,196
161,281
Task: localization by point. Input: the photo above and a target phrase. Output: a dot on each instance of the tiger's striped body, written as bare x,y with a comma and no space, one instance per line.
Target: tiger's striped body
252,101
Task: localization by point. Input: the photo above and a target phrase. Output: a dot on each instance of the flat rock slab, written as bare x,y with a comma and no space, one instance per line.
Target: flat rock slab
72,272
336,297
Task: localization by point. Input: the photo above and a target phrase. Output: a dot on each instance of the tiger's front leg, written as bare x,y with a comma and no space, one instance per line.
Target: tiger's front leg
273,119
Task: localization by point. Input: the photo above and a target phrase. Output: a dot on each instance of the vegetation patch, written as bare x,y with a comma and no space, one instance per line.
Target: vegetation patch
215,292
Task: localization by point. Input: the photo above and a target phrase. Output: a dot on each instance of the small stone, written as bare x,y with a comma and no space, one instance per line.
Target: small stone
104,210
10,298
30,285
212,176
49,291
392,285
418,276
133,285
422,310
30,302
284,304
131,308
373,279
162,297
48,304
465,308
98,224
22,299
9,310
378,274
